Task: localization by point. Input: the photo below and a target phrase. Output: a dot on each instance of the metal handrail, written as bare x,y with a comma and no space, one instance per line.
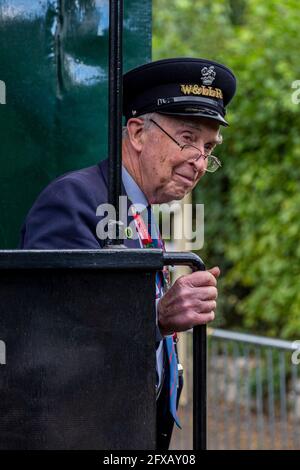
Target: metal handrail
199,357
252,339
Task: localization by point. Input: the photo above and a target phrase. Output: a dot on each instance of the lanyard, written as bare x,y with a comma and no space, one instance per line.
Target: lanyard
142,229
148,242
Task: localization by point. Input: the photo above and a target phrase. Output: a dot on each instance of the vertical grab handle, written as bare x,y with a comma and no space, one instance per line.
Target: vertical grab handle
115,94
199,357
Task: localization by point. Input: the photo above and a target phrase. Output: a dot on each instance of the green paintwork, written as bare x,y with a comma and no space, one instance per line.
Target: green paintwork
53,60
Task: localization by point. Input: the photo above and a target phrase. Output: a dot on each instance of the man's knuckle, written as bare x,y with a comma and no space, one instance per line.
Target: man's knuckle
184,304
212,280
181,281
190,317
204,276
210,293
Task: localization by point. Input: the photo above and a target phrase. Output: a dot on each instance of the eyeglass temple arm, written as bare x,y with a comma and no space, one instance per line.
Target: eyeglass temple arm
165,132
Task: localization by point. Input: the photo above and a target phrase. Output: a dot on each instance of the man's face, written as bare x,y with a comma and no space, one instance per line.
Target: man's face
166,170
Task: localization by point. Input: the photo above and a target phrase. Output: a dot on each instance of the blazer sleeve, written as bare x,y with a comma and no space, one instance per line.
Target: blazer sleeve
63,217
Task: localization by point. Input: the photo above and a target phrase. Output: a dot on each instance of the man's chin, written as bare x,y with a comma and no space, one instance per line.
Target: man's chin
178,195
182,191
174,194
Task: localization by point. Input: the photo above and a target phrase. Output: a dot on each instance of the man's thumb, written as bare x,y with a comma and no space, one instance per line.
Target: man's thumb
215,271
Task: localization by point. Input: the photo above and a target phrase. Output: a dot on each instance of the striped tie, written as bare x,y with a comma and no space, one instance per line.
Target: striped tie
162,281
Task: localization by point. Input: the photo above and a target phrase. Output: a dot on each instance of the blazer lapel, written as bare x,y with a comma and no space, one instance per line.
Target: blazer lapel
129,243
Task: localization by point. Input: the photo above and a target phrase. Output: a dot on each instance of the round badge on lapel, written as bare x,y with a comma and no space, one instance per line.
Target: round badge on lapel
128,232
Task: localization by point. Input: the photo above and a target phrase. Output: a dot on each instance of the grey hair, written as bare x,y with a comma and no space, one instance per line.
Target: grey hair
147,122
220,139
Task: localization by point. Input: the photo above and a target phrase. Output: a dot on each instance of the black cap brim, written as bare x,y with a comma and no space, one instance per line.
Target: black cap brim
193,112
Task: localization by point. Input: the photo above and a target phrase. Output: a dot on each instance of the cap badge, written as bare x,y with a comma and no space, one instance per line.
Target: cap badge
208,75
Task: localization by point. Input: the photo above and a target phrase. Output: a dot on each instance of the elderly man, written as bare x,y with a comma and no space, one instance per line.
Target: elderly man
173,110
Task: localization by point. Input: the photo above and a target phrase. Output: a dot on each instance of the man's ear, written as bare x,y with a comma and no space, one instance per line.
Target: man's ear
135,128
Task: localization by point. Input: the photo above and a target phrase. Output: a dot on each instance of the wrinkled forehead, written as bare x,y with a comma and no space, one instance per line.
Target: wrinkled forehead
193,123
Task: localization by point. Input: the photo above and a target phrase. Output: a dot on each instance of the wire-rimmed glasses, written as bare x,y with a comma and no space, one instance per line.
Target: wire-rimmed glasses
193,153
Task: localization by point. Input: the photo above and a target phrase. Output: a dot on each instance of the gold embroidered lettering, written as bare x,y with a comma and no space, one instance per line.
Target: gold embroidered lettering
211,91
219,93
201,90
186,89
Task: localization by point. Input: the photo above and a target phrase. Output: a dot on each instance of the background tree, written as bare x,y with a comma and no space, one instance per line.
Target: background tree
252,224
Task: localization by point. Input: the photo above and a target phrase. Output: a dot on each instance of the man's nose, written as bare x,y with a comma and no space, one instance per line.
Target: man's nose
200,162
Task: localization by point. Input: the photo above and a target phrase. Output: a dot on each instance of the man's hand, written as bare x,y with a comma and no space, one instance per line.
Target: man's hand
190,301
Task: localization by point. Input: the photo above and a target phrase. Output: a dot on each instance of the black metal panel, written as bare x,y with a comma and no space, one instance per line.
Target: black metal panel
116,259
79,332
80,358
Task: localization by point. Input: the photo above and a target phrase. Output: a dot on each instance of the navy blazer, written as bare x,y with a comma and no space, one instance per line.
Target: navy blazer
64,217
64,214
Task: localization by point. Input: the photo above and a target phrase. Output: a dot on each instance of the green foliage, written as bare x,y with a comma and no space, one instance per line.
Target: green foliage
252,206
